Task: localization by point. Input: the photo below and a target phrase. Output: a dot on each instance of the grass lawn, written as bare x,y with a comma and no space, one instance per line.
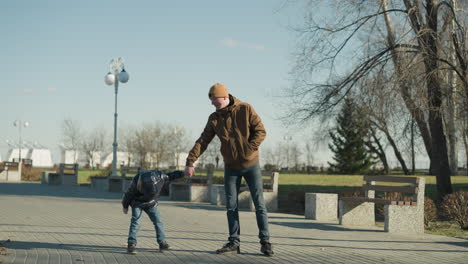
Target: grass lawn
441,228
446,228
320,183
324,183
293,186
83,175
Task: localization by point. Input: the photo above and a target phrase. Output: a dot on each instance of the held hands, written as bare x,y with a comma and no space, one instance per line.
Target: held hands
189,171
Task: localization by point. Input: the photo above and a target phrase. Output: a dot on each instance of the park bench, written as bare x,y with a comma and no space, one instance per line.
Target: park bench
120,184
401,214
27,162
10,171
127,171
194,189
99,183
66,174
270,193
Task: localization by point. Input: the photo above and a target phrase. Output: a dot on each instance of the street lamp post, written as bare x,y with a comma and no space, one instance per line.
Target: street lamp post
115,75
20,124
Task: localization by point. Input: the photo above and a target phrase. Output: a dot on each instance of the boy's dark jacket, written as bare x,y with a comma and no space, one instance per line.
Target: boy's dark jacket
146,186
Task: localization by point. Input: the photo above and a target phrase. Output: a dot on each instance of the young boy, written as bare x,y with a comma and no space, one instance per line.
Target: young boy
142,195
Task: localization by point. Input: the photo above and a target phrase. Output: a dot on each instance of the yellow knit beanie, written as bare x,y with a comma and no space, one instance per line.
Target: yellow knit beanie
218,90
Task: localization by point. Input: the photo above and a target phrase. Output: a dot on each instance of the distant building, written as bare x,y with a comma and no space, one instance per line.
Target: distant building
74,156
13,154
104,160
98,159
122,159
41,157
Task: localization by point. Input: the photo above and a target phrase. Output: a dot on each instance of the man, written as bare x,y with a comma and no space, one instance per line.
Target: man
240,131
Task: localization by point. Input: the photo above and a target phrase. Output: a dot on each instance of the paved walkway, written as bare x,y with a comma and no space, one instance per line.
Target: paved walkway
59,224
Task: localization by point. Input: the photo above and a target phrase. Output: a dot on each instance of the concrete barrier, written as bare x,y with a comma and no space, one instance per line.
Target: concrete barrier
321,206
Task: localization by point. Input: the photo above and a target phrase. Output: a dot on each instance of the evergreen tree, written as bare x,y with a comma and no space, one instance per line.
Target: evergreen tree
348,141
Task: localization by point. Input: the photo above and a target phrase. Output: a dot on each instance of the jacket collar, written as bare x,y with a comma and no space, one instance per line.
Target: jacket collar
233,102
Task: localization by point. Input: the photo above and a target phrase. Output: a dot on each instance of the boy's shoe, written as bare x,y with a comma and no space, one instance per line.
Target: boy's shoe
131,249
163,245
229,248
266,248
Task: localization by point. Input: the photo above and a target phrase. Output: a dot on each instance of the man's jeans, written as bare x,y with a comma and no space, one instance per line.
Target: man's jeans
155,217
232,180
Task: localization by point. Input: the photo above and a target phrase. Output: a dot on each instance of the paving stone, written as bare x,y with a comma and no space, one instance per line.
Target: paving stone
66,224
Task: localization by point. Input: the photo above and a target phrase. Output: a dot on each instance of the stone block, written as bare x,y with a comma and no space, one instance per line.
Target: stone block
189,192
404,219
244,201
115,184
45,176
126,183
353,213
100,183
271,201
10,176
199,193
54,178
69,179
321,206
217,194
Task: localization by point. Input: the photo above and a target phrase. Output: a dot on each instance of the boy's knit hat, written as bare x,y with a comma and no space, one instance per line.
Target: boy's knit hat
218,90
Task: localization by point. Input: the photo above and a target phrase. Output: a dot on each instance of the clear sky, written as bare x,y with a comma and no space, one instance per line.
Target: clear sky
55,55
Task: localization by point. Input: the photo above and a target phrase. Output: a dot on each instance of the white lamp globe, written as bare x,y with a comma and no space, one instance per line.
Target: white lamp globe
109,79
123,76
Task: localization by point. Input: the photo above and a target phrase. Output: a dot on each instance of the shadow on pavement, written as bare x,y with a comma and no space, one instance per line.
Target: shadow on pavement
27,245
195,206
69,226
453,243
299,217
321,226
376,242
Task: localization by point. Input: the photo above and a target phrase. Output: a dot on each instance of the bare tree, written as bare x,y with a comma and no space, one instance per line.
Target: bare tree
309,154
413,51
93,145
178,143
127,139
275,155
153,145
375,146
212,151
295,155
71,136
161,151
453,103
384,113
142,144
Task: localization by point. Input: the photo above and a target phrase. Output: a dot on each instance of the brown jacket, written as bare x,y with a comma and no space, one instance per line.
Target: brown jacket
240,130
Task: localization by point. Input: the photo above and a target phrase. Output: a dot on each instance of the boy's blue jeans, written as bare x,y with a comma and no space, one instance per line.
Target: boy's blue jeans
232,181
155,217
